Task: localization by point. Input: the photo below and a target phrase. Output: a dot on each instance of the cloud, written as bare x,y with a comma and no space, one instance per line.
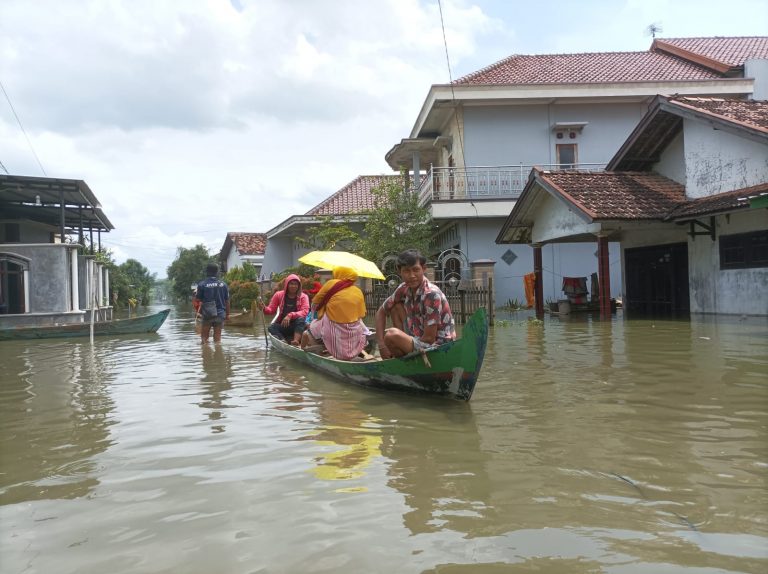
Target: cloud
190,119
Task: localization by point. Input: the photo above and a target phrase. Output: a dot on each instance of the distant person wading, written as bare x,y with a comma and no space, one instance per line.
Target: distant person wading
213,297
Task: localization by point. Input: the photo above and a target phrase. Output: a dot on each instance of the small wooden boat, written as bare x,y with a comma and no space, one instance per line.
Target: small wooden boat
134,325
450,369
244,319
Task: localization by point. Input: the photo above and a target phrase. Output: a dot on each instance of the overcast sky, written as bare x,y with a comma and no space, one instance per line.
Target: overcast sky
192,118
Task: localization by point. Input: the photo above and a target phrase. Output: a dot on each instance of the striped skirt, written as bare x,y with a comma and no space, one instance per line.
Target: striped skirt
343,340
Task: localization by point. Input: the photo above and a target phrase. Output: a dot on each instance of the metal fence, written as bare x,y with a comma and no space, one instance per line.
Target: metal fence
465,297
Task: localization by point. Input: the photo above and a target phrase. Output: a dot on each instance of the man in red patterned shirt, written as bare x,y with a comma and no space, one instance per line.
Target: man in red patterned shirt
421,316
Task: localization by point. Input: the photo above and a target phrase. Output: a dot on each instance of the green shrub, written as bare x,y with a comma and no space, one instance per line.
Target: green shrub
243,293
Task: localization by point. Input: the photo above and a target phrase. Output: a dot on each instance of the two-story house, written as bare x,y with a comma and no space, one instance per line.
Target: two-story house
43,278
479,137
686,198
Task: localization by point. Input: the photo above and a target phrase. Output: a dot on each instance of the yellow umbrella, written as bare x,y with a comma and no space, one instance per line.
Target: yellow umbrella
334,259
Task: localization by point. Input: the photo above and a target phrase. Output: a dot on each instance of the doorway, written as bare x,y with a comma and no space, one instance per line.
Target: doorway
11,287
657,279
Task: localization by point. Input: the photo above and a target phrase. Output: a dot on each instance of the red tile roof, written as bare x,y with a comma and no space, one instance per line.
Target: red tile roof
669,59
616,195
599,67
355,197
752,113
248,243
731,52
718,203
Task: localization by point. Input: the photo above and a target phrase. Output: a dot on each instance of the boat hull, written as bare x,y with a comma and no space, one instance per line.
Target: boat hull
135,325
450,370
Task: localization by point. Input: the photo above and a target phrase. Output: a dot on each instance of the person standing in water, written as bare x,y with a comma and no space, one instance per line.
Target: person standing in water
213,296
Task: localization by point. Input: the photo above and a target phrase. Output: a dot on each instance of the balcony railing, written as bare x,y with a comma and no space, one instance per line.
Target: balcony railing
498,182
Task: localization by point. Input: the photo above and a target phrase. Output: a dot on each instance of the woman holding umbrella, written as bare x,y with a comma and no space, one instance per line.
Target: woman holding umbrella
340,308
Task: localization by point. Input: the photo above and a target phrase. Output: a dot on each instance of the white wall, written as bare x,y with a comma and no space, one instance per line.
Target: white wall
510,135
717,161
729,291
672,161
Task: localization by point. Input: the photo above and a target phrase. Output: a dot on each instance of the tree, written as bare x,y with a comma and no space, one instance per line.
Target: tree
139,280
330,235
129,280
396,222
188,268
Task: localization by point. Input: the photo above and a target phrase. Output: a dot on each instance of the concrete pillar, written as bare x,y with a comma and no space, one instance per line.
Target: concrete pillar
429,271
75,282
416,171
324,275
604,276
538,270
482,270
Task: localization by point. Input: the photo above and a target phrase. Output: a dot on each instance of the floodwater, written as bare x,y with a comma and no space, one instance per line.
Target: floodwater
623,446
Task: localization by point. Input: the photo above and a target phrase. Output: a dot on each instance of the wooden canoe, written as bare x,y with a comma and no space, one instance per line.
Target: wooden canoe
134,325
450,370
244,319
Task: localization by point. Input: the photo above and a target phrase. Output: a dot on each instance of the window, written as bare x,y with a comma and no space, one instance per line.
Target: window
567,156
744,250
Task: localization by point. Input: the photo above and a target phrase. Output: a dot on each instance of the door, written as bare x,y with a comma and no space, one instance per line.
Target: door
11,287
657,279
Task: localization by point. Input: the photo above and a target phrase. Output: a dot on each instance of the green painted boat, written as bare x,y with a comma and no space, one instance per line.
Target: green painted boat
134,325
450,370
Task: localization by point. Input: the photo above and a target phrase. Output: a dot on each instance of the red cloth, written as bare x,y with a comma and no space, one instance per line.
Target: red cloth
343,284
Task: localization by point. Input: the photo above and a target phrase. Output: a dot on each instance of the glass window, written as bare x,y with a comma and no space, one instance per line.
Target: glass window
744,250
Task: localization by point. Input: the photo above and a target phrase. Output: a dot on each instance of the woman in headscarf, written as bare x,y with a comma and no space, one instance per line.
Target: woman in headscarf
340,308
293,306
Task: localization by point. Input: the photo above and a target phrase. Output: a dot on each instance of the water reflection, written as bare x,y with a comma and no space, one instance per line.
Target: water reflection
55,413
353,439
217,371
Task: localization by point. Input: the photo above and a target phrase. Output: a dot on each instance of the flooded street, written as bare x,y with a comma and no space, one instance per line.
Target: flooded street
624,446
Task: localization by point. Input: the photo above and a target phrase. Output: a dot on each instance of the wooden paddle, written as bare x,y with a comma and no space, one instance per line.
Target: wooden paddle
263,321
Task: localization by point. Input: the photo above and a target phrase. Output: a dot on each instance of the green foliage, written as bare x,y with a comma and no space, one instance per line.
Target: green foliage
330,235
130,280
513,305
395,223
302,270
243,293
245,273
188,268
139,280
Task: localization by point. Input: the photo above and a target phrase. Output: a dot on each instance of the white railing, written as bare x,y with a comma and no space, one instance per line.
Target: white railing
503,182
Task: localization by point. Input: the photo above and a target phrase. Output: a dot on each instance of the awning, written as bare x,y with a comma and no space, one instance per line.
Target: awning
45,199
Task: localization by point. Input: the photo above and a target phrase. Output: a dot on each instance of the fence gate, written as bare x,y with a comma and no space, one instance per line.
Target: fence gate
452,275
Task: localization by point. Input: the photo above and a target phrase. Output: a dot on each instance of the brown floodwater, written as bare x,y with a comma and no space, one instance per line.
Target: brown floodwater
624,446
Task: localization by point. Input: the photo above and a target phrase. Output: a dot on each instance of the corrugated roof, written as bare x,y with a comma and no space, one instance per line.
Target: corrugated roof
617,195
355,197
730,51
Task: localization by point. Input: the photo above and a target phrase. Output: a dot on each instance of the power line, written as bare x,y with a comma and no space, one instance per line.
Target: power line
29,142
450,79
5,169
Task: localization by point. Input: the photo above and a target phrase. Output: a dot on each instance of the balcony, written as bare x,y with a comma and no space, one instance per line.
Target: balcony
498,182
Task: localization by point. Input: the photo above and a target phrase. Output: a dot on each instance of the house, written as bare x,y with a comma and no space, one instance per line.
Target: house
686,198
242,248
348,206
479,137
44,279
